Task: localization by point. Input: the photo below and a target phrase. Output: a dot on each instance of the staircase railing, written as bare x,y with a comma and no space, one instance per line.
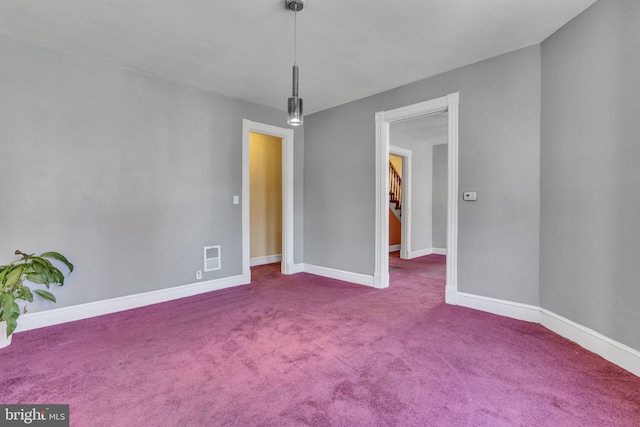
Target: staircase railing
395,186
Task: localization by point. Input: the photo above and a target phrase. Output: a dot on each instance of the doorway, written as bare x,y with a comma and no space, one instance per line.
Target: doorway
384,119
418,147
286,136
265,199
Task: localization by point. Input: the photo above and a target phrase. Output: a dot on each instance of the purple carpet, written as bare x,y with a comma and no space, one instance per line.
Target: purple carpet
308,351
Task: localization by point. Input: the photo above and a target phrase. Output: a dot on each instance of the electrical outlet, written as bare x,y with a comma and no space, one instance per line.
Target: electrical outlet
199,275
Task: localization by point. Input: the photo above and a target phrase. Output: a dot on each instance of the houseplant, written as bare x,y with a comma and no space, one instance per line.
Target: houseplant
31,268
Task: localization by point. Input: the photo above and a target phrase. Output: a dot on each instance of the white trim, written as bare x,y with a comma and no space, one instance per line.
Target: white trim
394,248
98,308
262,260
514,310
381,263
405,219
345,276
287,194
450,296
296,268
421,109
452,196
383,119
287,201
613,351
419,253
400,151
426,251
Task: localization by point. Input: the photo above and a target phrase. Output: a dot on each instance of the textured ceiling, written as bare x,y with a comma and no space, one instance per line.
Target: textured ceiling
346,49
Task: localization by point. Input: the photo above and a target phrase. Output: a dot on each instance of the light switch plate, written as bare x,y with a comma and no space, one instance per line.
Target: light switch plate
236,200
469,196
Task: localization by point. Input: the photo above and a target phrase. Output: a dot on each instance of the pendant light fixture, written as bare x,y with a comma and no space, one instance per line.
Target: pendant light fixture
294,106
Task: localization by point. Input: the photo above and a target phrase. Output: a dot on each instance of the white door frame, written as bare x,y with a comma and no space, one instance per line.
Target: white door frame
248,126
383,120
405,217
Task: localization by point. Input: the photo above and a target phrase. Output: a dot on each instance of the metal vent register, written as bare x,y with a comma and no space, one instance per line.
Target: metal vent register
212,259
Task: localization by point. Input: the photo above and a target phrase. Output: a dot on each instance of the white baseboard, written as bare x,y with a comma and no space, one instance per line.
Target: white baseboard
515,310
346,276
426,251
419,253
380,282
393,248
296,268
262,260
615,352
451,296
98,308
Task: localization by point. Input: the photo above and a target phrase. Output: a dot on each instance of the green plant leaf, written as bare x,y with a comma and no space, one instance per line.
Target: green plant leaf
44,268
5,300
42,261
3,272
45,294
58,275
24,293
49,273
10,312
13,276
24,256
34,269
59,257
40,271
36,278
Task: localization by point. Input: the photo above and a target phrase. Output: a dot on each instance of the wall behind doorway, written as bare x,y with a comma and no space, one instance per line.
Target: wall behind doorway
421,190
265,158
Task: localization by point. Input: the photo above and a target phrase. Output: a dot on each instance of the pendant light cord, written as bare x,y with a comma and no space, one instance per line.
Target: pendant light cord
295,37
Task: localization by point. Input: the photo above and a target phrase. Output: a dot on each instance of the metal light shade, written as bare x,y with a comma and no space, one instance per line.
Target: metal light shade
294,111
294,106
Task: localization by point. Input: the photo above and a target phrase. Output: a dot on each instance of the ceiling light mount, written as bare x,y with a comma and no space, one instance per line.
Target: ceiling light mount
295,5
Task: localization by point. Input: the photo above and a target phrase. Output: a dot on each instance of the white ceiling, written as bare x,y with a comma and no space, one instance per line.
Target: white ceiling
346,49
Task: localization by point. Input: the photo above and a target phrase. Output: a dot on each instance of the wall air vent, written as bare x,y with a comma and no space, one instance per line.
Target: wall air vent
212,259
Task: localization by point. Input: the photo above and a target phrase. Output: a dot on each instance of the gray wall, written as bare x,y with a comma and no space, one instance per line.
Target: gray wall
440,189
128,175
590,152
421,188
499,158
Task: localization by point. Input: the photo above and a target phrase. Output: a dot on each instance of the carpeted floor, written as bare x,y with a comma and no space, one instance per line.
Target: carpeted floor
308,351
